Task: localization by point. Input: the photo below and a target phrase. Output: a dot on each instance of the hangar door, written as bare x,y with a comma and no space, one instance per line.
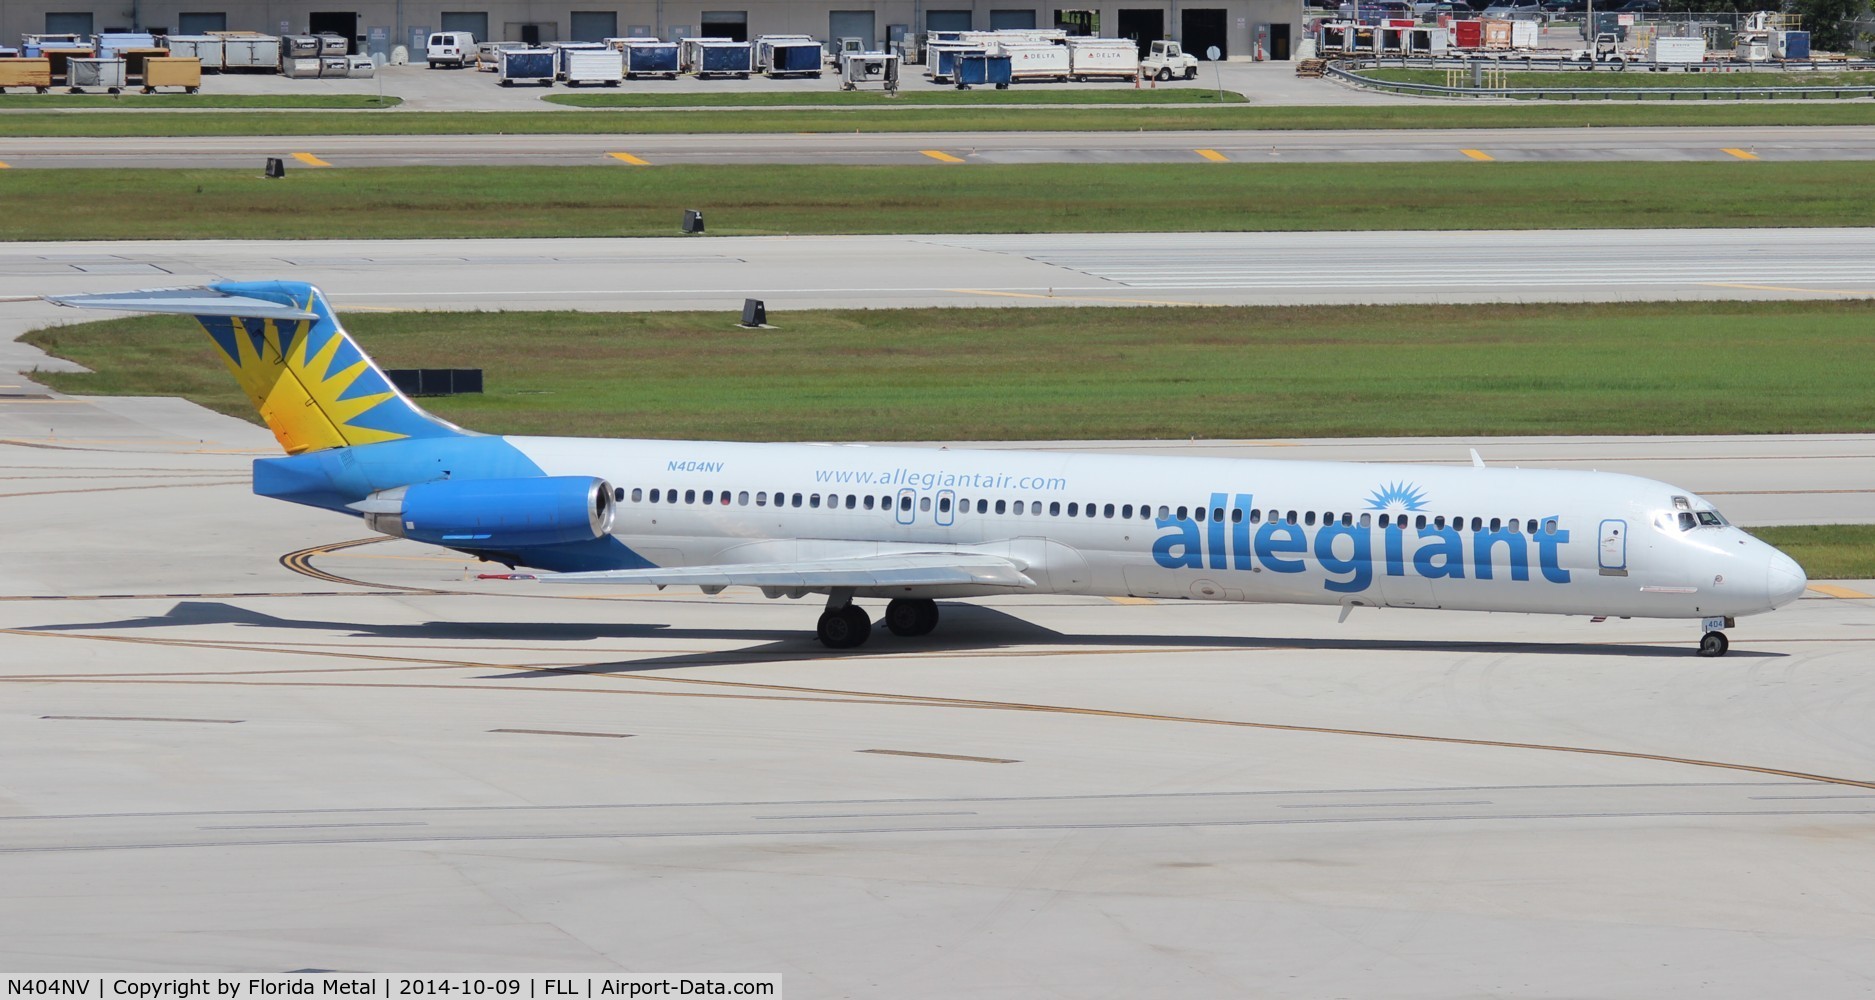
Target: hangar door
852,24
1143,26
471,21
68,24
201,24
947,20
1012,20
730,24
594,25
1202,28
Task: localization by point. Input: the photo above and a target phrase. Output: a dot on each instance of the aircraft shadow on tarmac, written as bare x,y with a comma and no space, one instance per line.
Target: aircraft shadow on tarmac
966,628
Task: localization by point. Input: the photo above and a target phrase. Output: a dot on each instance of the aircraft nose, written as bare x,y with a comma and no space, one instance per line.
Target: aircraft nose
1784,579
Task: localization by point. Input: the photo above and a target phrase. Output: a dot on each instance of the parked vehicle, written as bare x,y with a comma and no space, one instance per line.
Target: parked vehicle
450,48
1166,61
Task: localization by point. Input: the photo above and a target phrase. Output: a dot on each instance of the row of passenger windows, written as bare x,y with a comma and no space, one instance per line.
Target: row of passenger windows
1055,508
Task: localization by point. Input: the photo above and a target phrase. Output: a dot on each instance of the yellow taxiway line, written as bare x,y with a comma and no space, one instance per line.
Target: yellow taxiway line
940,156
1478,154
1213,155
310,160
628,158
1740,153
1840,593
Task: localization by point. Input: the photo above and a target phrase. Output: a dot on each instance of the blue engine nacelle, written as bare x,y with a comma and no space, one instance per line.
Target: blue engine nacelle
494,513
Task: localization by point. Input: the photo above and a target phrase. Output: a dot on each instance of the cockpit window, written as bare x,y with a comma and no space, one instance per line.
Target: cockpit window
1687,522
1710,518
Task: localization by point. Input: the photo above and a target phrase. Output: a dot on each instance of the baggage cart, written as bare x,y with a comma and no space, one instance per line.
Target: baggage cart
562,52
941,59
716,57
107,75
300,68
649,57
1036,60
1677,51
605,67
172,72
335,67
34,46
60,57
526,66
360,67
26,73
112,44
983,69
333,45
134,60
207,49
1792,44
793,57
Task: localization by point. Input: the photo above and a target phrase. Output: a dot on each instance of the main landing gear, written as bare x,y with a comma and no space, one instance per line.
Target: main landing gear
1714,643
844,625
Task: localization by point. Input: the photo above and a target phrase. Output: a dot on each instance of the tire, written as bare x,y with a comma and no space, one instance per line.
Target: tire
846,628
1713,644
909,617
507,83
1191,72
1165,73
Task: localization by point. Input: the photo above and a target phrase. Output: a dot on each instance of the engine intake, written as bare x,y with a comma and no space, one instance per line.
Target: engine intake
494,513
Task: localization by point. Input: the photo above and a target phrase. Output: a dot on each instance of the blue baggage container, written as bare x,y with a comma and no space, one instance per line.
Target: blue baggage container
527,65
947,60
978,68
1796,45
736,57
657,58
797,57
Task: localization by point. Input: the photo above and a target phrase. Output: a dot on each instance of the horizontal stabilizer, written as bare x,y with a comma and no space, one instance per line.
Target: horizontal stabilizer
900,569
186,301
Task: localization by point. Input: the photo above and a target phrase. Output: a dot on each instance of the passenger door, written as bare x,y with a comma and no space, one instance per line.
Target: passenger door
1613,554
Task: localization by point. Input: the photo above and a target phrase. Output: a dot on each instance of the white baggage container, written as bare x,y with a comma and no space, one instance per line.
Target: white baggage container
337,67
300,69
1523,34
605,67
333,45
1677,51
360,67
207,48
1037,60
299,47
96,74
1104,57
250,52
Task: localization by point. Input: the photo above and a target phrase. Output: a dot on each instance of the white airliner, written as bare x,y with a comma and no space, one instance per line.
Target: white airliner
911,525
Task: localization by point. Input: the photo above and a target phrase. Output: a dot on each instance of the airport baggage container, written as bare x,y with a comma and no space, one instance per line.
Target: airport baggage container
1792,44
360,67
765,48
1390,41
562,51
1115,58
23,73
111,44
300,68
1467,34
1428,41
250,52
61,56
172,72
649,57
605,67
206,48
526,66
299,47
333,45
716,57
335,67
941,60
1523,34
984,69
1677,51
803,57
108,75
1496,33
9,53
1035,60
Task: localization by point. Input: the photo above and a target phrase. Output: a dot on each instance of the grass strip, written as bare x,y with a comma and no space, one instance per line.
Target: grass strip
1827,551
130,100
1086,373
1442,114
905,98
395,202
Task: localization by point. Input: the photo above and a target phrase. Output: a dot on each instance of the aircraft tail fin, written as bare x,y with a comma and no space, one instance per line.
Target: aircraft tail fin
312,385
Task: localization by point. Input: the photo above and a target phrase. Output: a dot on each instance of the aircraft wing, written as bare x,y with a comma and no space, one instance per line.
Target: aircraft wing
898,569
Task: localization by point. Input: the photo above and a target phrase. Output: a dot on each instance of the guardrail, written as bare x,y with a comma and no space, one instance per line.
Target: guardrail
1347,69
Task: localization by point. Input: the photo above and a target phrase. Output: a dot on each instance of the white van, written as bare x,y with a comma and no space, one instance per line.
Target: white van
450,48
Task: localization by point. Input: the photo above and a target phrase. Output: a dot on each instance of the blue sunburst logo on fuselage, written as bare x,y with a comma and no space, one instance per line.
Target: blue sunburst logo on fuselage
1397,497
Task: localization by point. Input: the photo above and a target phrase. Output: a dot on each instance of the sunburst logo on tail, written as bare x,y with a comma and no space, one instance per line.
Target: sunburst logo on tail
1397,497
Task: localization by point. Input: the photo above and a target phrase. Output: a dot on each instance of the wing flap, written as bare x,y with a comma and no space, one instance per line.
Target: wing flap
902,569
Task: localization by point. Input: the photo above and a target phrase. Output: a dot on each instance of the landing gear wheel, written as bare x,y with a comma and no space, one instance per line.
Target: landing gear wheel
1165,73
911,617
844,629
1713,644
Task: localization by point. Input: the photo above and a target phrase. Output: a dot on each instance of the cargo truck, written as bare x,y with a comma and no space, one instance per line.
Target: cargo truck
1166,61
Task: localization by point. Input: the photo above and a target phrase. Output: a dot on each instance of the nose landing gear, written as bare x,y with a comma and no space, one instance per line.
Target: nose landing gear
1713,642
